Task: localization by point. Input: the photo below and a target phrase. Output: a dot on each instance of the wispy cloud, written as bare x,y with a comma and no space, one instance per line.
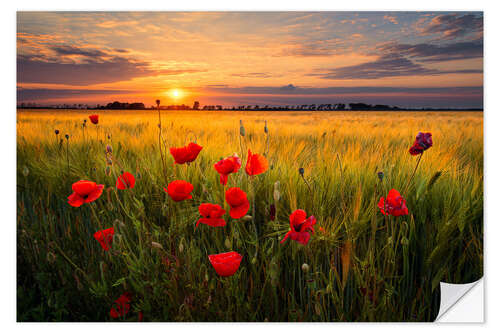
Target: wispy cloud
428,52
391,19
451,26
383,67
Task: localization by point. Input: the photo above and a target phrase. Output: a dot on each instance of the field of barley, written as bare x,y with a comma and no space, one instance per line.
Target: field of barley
359,264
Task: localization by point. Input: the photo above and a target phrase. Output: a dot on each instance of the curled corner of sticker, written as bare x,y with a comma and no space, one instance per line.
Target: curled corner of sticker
453,295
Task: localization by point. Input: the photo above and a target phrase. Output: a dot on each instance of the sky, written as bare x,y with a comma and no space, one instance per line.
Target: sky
408,59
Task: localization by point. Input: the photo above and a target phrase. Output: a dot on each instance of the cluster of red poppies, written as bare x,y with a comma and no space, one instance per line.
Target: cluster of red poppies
225,264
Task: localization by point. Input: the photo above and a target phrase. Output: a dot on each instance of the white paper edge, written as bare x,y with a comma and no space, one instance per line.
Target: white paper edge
461,303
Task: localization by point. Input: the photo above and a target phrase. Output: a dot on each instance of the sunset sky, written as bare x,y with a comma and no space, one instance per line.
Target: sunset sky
410,59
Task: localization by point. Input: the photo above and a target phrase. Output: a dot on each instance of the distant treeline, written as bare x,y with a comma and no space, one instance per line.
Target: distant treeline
196,106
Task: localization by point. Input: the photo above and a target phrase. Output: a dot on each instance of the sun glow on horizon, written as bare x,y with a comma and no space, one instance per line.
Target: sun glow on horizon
175,94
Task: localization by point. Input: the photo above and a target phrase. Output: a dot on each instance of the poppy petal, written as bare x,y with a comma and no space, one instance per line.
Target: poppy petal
213,222
237,212
83,187
95,194
125,181
75,200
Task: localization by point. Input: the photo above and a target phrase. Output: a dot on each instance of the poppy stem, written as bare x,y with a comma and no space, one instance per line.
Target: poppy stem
67,154
253,218
70,261
413,174
160,143
95,215
308,186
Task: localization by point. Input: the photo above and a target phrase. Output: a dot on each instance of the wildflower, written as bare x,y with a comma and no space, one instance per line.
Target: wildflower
186,154
84,191
109,149
179,190
125,181
266,130
225,264
423,141
226,166
301,171
211,215
300,227
238,201
395,204
66,136
305,268
380,175
256,164
56,131
121,306
94,118
105,237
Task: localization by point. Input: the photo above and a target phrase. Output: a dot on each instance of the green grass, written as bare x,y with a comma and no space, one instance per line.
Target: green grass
362,267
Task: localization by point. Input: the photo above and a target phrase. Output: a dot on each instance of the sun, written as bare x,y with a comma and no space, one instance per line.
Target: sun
175,93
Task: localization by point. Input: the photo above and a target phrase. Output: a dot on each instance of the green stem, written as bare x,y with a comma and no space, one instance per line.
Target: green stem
413,174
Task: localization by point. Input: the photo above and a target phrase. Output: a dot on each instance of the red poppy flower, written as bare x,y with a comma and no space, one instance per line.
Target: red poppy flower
121,306
395,204
238,201
186,154
179,190
94,118
84,191
105,237
226,166
211,215
256,164
225,264
125,181
423,141
300,227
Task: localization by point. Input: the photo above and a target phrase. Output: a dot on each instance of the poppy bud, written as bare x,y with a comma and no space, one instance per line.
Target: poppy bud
51,257
246,218
276,193
254,260
67,136
109,149
56,131
26,171
227,243
301,171
380,175
242,129
156,245
265,127
272,212
305,268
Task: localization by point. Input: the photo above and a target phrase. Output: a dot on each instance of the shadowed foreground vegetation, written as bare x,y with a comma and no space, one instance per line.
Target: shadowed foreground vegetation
360,265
